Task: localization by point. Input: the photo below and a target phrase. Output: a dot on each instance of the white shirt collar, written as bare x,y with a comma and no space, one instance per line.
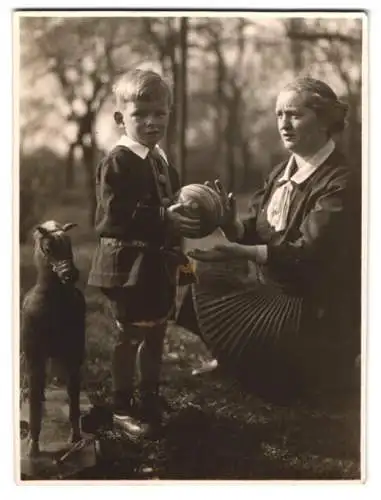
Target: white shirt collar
307,166
138,148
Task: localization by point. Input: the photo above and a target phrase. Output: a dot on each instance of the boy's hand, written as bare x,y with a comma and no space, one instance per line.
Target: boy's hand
185,222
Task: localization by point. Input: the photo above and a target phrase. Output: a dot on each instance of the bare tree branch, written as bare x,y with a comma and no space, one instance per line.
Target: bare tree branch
322,35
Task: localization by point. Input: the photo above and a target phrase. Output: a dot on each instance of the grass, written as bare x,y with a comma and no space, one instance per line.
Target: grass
216,430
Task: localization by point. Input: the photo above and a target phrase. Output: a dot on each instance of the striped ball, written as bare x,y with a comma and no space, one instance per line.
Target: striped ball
206,204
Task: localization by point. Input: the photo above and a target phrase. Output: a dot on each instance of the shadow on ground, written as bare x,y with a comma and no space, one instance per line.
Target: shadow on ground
216,431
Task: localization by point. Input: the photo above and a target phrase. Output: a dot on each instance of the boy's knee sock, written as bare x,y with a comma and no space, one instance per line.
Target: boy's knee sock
124,360
149,358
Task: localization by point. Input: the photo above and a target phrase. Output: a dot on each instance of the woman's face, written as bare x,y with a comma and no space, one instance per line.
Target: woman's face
300,129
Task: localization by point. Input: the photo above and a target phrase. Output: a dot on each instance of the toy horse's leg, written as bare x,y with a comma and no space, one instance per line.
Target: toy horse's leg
36,383
73,392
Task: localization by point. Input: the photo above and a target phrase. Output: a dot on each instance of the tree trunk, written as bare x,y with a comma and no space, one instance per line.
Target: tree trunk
246,163
219,145
182,99
230,145
87,140
70,168
172,125
232,137
294,28
88,163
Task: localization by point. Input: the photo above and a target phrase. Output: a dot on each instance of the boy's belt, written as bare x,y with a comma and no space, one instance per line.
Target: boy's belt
124,243
176,254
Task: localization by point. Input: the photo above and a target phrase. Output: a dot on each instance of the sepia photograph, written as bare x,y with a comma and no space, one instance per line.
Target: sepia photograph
190,219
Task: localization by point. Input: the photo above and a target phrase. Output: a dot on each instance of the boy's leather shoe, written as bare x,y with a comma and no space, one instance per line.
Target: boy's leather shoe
140,421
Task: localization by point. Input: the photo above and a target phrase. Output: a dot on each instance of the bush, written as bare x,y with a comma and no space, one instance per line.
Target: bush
41,181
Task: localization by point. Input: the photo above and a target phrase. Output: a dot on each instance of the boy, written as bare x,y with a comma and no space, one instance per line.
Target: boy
138,254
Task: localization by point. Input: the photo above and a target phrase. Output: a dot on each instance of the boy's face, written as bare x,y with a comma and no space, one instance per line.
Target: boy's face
146,121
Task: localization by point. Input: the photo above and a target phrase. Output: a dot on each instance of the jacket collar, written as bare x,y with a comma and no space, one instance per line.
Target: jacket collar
138,148
307,166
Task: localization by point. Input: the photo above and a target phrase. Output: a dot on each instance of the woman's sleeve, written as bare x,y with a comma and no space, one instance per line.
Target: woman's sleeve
323,232
250,236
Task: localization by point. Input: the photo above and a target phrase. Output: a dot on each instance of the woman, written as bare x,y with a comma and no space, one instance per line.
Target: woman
303,237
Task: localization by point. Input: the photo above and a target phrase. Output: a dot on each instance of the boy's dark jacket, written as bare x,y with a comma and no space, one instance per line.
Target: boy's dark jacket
129,213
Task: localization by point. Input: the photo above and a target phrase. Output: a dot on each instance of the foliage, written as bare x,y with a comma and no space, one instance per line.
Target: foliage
41,180
235,67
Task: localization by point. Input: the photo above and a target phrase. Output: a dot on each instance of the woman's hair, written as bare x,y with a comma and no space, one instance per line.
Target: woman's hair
323,100
141,85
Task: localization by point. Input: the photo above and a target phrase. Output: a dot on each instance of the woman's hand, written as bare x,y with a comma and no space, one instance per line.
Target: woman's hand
211,255
182,221
220,253
231,251
231,223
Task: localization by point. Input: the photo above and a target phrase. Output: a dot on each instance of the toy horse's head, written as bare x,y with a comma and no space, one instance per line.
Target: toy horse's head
53,252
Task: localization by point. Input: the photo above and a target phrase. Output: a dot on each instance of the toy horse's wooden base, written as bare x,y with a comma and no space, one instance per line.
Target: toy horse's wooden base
54,442
96,450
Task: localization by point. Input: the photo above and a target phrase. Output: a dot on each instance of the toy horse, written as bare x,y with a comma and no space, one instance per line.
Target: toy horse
53,325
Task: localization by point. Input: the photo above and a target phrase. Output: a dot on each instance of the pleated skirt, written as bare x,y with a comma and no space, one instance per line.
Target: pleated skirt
256,330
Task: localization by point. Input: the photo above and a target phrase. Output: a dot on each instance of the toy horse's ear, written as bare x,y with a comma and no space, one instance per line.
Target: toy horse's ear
68,226
118,117
40,231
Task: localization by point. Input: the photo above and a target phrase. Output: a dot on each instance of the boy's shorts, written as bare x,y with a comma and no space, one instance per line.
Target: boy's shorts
141,304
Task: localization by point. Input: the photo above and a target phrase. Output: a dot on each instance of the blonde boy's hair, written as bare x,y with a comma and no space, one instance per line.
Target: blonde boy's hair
141,85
